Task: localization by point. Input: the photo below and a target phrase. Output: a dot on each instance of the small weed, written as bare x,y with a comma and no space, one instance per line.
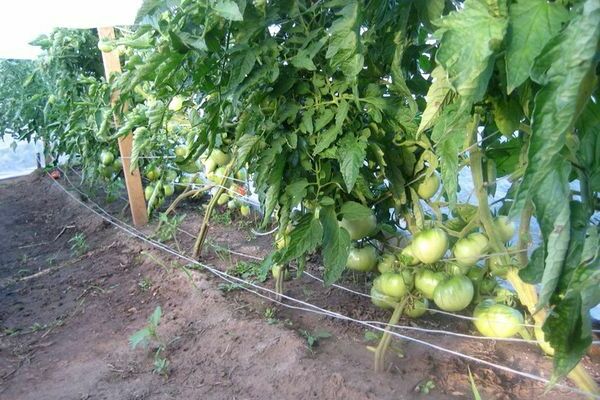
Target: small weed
223,218
167,227
313,338
229,287
371,336
148,335
37,327
476,395
145,284
425,386
248,271
271,315
79,244
24,259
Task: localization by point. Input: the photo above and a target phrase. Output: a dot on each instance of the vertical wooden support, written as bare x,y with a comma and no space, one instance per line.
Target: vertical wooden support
133,180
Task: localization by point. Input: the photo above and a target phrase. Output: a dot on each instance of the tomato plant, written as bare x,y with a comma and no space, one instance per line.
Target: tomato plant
348,117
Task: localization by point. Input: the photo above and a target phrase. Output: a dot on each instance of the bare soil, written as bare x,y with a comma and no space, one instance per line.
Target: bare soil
66,316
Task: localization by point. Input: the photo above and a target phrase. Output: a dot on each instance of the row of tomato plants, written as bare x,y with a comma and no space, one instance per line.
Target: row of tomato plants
353,120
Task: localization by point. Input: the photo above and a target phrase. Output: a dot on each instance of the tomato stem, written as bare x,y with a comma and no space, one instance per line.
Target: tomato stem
209,209
385,340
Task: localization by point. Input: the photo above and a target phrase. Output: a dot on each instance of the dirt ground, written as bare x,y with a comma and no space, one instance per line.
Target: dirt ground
66,313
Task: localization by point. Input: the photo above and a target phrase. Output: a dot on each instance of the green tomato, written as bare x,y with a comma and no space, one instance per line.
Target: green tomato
176,103
393,285
106,45
456,269
497,320
244,210
168,189
428,187
505,228
387,263
223,199
407,256
426,281
148,192
469,250
276,271
454,294
231,204
105,172
381,300
362,259
359,228
497,266
106,158
241,174
117,165
541,338
430,245
181,152
220,157
416,308
153,173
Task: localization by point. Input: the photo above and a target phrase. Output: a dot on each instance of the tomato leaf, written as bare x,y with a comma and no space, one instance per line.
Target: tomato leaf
351,156
305,237
553,213
532,24
352,210
326,138
468,39
449,134
438,95
565,69
336,246
228,9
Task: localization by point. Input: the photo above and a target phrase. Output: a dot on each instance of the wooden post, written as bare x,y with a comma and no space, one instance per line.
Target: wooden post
133,180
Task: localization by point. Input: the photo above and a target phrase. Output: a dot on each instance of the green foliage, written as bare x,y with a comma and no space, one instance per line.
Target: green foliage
337,109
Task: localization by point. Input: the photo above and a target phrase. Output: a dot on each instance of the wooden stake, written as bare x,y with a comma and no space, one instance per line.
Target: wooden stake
133,180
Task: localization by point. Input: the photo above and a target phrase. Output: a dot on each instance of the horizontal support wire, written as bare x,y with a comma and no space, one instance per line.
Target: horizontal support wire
307,307
347,289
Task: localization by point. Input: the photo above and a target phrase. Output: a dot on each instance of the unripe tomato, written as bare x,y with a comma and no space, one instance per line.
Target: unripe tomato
362,259
387,263
430,245
241,174
244,210
428,186
171,176
456,269
416,308
106,172
469,250
220,157
359,228
381,300
541,338
105,45
426,281
497,266
181,152
176,103
168,190
231,204
497,320
454,294
223,199
148,192
276,271
505,227
408,257
117,165
153,173
106,158
209,166
393,285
